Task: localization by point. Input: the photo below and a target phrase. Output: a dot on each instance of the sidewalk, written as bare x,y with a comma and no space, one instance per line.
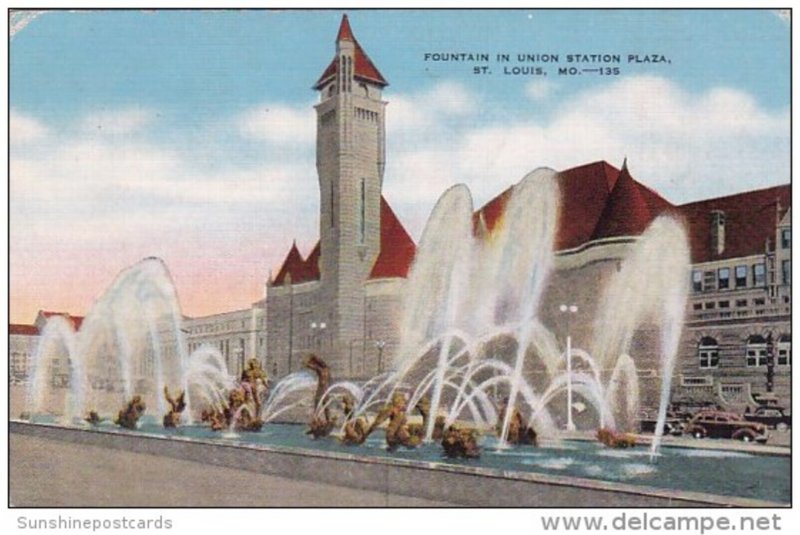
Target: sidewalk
61,474
779,443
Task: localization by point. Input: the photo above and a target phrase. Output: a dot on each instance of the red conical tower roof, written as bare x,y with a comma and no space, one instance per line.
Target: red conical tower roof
626,212
364,68
345,32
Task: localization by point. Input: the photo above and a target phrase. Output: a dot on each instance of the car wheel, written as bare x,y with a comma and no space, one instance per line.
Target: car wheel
744,436
699,433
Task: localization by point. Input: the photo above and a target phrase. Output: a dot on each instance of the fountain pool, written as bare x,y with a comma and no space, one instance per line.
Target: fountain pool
473,338
724,473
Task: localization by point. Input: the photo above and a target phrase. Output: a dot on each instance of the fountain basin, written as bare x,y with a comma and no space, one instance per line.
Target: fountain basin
516,477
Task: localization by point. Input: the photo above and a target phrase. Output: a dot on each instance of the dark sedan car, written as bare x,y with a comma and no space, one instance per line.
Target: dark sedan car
672,424
772,417
718,424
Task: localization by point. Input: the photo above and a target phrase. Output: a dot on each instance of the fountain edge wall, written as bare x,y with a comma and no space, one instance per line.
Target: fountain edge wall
463,485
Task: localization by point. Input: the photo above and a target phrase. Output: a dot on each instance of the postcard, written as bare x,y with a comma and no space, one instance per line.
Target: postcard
531,258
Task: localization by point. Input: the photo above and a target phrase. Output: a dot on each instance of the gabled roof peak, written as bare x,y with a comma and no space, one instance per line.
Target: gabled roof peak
364,69
345,32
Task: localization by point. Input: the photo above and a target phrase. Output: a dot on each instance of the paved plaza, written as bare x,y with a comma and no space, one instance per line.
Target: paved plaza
61,474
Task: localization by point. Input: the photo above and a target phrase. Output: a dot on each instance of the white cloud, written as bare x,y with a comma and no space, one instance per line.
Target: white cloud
279,124
539,90
70,186
687,146
784,14
118,122
427,109
24,129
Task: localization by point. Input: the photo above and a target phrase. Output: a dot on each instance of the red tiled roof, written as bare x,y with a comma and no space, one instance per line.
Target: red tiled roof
750,220
364,68
293,266
22,329
394,260
599,201
397,247
487,217
312,263
76,321
626,212
584,191
345,32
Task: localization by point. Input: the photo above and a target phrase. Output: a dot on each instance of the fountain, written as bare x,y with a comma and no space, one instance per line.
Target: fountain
476,357
471,335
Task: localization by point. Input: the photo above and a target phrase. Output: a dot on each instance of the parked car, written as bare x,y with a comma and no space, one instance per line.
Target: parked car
718,424
686,411
672,425
772,417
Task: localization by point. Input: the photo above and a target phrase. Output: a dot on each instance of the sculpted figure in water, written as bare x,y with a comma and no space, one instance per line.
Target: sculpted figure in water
320,425
612,439
519,432
129,416
177,406
461,443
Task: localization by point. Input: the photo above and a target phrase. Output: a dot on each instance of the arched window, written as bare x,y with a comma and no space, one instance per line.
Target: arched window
756,352
708,352
785,350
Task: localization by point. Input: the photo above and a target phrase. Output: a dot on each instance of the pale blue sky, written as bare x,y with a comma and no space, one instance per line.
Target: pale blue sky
210,63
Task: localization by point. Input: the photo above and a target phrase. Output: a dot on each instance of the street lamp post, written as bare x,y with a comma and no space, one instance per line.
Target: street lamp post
317,330
569,309
380,344
291,319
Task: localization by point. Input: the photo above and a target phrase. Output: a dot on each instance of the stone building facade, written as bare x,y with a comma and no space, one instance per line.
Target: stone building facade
22,342
238,335
343,299
737,336
327,302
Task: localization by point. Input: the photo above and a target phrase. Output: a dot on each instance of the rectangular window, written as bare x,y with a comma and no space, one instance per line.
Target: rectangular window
741,276
741,302
362,213
709,358
724,277
697,281
724,304
784,353
759,278
759,301
786,267
710,305
697,306
756,356
786,238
